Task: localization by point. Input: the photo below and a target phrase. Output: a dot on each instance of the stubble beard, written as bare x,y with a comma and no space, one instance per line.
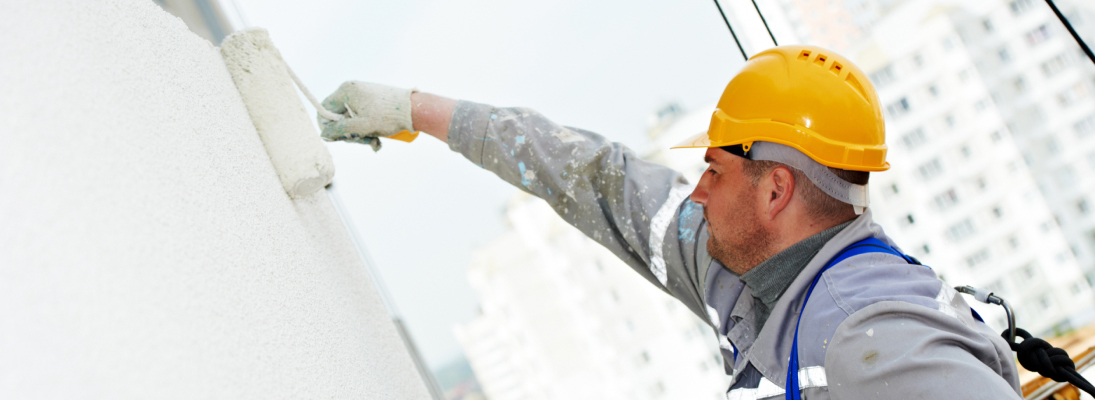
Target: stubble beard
743,245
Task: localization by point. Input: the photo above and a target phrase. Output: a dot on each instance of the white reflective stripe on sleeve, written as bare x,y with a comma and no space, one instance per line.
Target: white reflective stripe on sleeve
809,377
812,377
658,226
946,300
713,315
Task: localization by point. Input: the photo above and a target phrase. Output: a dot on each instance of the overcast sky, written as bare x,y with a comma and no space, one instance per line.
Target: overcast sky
602,65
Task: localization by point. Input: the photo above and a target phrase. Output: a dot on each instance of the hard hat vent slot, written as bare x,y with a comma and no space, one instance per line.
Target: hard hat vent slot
804,55
835,69
851,79
820,60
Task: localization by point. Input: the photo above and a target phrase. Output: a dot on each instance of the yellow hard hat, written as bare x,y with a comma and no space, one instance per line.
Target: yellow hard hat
805,97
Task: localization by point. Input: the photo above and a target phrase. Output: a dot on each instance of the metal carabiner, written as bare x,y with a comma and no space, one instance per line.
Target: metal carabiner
988,297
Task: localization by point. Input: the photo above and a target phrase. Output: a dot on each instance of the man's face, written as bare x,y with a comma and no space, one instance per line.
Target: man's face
732,207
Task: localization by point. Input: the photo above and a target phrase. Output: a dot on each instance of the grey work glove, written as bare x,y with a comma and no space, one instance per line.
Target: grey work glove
370,111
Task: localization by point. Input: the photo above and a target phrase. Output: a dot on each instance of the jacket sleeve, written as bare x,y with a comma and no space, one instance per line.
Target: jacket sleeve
636,209
896,349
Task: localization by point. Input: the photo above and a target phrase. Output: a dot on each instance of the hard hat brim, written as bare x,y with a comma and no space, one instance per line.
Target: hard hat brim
695,141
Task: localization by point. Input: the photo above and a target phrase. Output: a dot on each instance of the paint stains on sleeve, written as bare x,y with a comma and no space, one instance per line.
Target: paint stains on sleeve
527,175
566,136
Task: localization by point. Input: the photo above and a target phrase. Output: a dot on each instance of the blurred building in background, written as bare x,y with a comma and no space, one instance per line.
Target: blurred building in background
987,106
990,119
563,318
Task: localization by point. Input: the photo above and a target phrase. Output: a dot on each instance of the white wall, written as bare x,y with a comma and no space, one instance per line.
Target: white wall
147,249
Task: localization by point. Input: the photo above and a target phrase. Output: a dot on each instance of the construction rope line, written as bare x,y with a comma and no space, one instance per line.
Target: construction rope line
1039,356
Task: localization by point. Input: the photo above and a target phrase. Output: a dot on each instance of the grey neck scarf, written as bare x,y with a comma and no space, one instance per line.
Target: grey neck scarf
771,278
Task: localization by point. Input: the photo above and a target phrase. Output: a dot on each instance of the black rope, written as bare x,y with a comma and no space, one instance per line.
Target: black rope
765,23
743,55
1079,40
1039,356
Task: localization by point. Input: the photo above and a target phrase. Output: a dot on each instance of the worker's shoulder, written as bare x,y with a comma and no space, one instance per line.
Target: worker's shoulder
863,280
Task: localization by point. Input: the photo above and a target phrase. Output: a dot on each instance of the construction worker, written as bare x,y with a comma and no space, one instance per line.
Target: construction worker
775,247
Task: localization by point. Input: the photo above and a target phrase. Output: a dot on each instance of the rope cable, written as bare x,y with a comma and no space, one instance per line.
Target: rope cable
1079,40
743,55
774,42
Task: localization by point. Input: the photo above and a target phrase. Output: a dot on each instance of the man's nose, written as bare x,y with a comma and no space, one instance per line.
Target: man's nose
699,194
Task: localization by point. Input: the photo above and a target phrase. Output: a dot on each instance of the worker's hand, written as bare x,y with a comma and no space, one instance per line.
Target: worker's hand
370,111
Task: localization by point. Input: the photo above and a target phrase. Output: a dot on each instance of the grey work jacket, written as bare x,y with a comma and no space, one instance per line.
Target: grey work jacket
875,326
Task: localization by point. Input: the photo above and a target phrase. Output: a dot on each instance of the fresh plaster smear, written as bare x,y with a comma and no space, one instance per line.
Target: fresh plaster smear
149,249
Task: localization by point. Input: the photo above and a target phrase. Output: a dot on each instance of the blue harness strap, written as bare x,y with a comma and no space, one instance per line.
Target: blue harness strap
868,245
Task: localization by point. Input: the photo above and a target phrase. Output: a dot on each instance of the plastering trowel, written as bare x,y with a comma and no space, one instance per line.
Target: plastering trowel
299,156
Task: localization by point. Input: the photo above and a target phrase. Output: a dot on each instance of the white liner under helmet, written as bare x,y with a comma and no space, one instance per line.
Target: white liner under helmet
820,175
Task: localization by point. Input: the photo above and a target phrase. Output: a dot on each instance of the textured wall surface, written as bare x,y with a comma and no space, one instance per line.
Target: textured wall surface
147,248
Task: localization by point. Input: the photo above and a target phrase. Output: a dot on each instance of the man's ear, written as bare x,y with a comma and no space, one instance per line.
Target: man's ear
779,190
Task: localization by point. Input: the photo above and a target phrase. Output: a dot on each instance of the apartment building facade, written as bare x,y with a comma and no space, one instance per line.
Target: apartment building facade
563,318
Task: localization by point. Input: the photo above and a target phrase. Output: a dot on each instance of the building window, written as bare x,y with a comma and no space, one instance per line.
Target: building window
898,108
1038,35
951,120
980,183
978,258
1052,146
1027,272
1045,301
914,139
1019,7
996,136
1083,207
924,248
987,24
930,169
961,230
998,212
1057,64
933,90
945,200
883,77
1085,127
1013,242
1019,84
1003,54
908,220
1073,94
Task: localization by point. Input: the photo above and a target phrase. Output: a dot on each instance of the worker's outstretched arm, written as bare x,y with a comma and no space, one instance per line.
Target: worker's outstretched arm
637,209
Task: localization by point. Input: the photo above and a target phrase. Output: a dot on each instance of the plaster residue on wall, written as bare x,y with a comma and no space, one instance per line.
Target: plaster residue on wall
149,250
